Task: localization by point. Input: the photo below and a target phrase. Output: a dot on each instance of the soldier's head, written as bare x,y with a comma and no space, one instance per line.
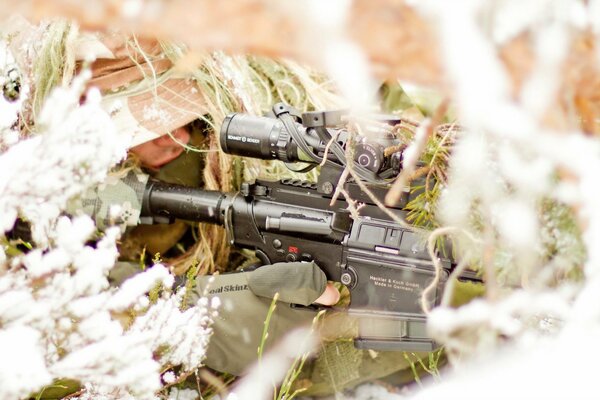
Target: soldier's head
145,94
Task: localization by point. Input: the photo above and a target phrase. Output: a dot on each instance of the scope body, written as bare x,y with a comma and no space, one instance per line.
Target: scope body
269,138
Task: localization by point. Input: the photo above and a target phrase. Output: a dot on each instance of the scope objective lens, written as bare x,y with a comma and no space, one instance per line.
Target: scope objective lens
257,137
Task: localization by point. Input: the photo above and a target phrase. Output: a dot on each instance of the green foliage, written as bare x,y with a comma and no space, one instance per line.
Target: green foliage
286,388
58,389
418,366
143,259
190,283
266,323
421,209
12,248
154,293
394,98
431,176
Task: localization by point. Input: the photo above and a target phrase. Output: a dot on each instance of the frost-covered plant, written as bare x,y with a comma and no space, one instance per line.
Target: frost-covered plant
74,147
59,317
521,192
519,189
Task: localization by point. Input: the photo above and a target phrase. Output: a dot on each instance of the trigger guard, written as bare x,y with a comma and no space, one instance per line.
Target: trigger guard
263,257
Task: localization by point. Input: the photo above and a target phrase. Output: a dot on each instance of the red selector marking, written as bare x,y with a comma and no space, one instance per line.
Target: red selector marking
292,249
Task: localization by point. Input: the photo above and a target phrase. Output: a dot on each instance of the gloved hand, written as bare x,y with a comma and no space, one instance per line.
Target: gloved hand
245,301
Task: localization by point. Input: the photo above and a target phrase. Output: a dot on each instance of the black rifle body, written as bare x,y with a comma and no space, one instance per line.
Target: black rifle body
385,266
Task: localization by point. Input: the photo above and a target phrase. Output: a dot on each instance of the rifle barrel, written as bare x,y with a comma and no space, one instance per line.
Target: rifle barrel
175,201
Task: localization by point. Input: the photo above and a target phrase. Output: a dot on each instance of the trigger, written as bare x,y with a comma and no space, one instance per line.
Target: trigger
263,257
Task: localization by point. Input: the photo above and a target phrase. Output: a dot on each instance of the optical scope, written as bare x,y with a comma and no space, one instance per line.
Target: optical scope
289,137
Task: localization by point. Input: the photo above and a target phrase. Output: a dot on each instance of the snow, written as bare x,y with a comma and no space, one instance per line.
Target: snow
59,316
535,368
375,392
504,165
136,286
75,146
517,223
22,370
168,377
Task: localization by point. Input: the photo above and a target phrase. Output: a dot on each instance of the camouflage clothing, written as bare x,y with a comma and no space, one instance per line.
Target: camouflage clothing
117,201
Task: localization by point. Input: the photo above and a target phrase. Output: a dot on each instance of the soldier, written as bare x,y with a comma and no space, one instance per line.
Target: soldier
159,107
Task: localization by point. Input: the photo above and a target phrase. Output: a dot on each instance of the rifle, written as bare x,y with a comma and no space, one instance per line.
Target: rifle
384,264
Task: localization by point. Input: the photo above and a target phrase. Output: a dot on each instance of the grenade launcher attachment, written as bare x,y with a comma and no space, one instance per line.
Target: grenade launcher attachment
385,265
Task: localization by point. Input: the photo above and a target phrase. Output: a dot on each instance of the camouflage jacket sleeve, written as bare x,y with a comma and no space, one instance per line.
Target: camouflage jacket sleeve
116,201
